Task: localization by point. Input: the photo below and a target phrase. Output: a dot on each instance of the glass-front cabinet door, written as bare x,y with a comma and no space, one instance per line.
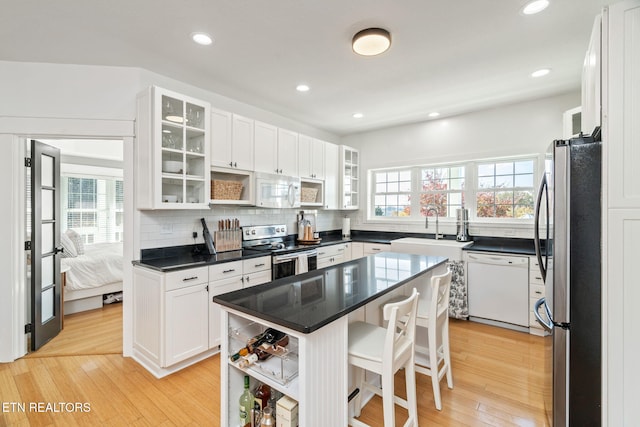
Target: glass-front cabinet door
350,183
178,170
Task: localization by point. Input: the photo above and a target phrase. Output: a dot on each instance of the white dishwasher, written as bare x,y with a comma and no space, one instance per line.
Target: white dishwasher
498,287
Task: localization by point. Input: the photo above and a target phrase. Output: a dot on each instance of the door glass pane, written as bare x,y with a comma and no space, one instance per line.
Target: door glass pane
47,238
47,271
47,305
47,204
47,170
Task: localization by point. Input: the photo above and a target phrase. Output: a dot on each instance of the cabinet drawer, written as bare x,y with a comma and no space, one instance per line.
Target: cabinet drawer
256,264
374,248
184,278
227,269
535,277
258,278
231,281
332,250
536,291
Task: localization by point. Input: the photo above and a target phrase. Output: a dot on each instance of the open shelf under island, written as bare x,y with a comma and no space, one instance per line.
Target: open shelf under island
314,310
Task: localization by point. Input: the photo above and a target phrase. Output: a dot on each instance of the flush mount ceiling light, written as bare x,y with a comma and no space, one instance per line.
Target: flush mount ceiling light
358,115
202,38
535,6
434,114
541,72
302,88
371,42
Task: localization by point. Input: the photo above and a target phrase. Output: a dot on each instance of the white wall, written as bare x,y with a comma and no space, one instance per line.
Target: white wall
510,130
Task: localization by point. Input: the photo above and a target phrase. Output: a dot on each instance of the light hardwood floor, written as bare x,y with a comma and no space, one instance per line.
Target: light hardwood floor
498,381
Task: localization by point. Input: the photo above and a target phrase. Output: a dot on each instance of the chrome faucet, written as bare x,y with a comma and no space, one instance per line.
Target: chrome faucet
426,222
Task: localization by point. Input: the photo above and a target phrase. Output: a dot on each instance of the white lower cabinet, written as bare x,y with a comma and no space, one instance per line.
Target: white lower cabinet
218,287
536,291
332,255
357,250
170,319
374,248
256,271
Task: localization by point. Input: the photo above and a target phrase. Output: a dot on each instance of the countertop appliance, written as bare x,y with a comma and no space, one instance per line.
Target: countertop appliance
277,191
499,289
287,257
568,214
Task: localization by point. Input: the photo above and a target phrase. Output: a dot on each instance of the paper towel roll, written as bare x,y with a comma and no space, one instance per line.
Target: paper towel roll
346,227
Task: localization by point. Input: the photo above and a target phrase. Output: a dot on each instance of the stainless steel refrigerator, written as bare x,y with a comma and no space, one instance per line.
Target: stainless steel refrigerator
568,247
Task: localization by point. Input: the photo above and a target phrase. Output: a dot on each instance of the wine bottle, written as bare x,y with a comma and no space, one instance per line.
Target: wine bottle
246,403
261,397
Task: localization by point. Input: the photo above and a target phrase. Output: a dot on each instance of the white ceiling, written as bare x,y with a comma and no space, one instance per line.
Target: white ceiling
451,56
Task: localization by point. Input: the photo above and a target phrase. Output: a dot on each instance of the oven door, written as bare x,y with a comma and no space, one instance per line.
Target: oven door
293,263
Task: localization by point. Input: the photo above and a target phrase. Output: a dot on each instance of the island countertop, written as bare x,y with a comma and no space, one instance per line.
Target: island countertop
309,301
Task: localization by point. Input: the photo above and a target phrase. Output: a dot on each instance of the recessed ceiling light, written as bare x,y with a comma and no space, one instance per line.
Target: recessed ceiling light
358,115
535,6
302,88
541,72
370,42
434,114
202,38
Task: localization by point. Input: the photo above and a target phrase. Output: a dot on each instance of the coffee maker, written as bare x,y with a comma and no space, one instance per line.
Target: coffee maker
462,225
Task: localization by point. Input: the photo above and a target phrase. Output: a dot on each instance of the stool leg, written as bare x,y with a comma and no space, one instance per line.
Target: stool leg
412,399
435,380
447,354
358,380
388,399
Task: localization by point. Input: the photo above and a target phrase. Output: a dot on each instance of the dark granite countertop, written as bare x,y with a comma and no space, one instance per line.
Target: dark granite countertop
309,301
182,257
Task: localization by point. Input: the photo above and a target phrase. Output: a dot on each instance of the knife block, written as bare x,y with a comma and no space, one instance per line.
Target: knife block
227,240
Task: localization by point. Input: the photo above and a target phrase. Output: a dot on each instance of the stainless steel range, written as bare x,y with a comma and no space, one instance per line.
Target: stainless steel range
287,257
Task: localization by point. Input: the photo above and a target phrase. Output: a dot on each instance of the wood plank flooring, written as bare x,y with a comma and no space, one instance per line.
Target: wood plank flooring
498,381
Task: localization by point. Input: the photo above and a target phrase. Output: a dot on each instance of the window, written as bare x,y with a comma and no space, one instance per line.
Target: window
392,193
93,208
443,189
490,189
505,189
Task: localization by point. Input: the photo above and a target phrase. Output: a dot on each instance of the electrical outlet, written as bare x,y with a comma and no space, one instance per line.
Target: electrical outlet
194,234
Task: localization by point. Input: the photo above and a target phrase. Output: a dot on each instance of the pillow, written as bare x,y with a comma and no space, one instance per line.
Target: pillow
69,248
77,241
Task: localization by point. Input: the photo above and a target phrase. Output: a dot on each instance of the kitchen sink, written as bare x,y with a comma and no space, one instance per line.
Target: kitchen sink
451,249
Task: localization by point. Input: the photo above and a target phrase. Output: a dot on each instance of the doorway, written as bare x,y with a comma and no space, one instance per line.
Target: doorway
92,228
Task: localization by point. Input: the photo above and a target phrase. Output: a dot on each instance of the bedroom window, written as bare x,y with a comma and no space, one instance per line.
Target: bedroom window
93,208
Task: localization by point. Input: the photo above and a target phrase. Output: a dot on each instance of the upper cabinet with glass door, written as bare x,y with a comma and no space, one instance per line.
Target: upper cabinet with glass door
172,151
349,177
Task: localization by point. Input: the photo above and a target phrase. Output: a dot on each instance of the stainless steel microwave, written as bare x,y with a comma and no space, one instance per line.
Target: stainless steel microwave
277,191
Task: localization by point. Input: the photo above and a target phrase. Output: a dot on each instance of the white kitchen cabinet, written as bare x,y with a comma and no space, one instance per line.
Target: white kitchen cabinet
332,255
170,319
621,214
172,151
590,115
256,271
221,138
374,248
357,250
186,323
266,147
331,176
310,157
242,143
287,152
349,177
218,287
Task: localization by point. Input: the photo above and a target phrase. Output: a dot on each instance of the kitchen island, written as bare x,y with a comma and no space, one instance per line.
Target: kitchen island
313,309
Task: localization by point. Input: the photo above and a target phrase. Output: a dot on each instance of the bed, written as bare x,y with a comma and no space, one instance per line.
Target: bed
90,276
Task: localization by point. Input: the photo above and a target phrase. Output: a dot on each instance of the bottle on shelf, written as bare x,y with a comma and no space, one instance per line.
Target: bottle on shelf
247,361
241,353
246,404
261,398
267,419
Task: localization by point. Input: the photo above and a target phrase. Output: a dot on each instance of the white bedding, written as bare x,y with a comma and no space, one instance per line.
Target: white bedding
101,264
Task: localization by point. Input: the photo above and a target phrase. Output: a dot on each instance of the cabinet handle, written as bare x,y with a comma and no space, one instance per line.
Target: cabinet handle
538,277
375,249
235,164
247,279
259,265
340,250
186,279
231,164
228,271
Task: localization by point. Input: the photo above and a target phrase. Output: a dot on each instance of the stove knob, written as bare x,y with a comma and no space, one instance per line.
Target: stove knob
253,231
247,232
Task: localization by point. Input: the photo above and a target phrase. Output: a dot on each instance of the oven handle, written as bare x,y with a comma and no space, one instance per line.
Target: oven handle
277,259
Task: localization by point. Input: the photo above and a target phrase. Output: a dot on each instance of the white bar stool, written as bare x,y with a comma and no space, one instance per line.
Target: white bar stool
435,360
384,351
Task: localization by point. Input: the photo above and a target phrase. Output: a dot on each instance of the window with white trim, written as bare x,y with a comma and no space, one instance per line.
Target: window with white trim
505,189
93,207
500,189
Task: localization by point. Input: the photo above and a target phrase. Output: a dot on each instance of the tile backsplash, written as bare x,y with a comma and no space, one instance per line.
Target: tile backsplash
174,228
